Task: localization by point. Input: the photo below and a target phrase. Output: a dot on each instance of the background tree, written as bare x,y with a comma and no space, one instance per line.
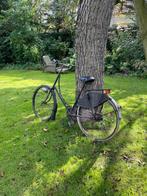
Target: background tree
141,12
91,37
19,34
5,47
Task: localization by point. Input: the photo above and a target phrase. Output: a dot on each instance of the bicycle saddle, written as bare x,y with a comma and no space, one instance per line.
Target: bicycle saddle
87,79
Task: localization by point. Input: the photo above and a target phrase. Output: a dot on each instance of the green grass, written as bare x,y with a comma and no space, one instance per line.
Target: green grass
60,161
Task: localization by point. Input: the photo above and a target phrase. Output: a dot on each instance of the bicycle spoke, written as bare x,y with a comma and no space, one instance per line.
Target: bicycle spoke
43,102
99,123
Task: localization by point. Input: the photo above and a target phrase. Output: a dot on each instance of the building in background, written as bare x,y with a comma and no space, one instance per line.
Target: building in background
123,14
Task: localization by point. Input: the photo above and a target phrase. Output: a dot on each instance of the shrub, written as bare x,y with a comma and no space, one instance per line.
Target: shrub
19,40
56,48
27,66
57,44
127,55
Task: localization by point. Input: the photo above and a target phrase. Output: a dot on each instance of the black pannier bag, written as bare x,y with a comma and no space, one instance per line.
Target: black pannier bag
92,99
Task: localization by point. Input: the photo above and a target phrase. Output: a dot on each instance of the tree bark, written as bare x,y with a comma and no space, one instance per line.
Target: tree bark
93,21
141,12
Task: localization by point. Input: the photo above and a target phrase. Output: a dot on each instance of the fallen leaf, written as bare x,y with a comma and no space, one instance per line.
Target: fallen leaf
20,164
140,163
62,173
45,143
127,158
45,129
2,174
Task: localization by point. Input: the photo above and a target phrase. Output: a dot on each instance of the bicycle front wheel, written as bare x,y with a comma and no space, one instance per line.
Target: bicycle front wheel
101,122
44,103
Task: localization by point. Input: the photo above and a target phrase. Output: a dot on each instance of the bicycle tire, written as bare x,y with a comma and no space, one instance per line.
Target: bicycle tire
81,111
44,107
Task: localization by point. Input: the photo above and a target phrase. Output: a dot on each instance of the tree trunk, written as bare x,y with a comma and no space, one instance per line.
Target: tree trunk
141,12
93,21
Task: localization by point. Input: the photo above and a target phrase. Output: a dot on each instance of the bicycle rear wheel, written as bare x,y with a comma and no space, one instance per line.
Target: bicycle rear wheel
101,122
44,103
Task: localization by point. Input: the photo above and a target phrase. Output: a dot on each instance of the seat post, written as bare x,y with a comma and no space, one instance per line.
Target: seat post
79,95
84,83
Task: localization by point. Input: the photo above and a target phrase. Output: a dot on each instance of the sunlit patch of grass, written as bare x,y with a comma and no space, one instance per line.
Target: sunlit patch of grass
49,158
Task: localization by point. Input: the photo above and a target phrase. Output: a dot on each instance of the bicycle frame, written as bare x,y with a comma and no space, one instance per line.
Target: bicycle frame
58,90
78,100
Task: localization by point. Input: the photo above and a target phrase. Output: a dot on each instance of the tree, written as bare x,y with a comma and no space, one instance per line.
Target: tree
141,12
92,29
62,14
19,41
56,15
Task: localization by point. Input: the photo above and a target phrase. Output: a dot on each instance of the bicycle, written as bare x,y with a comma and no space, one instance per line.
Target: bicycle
96,113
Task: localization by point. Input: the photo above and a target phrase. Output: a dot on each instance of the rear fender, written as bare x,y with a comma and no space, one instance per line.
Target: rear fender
118,107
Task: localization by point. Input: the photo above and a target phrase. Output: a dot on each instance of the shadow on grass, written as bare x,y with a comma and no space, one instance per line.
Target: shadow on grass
144,149
112,174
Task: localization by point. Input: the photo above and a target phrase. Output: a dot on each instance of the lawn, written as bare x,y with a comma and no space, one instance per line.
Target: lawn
49,158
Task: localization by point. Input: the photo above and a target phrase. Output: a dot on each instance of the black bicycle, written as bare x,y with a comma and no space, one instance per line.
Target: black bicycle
97,114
